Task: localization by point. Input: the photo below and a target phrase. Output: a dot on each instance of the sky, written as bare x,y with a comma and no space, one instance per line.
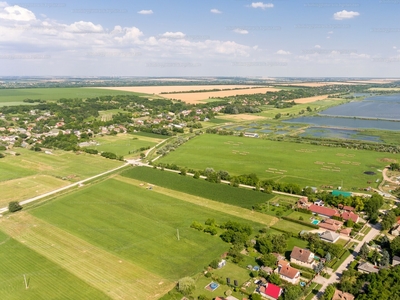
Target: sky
279,38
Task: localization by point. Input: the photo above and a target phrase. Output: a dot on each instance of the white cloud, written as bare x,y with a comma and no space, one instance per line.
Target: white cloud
394,47
15,13
330,32
261,5
317,46
131,34
344,14
282,52
84,27
240,31
145,12
216,11
174,35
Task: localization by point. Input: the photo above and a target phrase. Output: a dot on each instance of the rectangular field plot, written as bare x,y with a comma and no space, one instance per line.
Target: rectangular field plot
303,164
139,225
45,279
292,227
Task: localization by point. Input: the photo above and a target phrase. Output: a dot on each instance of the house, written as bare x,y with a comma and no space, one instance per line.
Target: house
330,236
226,298
350,215
345,231
319,203
288,273
302,257
348,208
395,230
322,211
303,203
331,224
366,267
221,264
248,134
267,270
270,291
339,295
396,260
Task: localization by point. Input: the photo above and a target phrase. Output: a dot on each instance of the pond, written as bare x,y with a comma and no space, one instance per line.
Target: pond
338,134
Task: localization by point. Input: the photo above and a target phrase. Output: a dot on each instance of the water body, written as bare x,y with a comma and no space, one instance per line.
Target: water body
347,123
338,134
377,107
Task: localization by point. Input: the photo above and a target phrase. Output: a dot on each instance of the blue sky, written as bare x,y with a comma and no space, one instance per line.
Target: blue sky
303,38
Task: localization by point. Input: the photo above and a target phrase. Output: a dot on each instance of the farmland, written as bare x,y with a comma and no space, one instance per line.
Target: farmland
123,144
303,164
46,280
32,173
16,96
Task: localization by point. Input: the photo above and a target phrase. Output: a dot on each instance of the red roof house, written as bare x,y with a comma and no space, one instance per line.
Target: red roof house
271,291
321,210
350,215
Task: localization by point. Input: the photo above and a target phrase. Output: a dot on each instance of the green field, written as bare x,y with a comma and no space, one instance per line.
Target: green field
16,96
32,173
123,144
139,225
292,227
46,280
306,165
218,192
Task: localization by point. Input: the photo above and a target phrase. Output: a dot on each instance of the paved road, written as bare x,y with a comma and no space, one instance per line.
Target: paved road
4,209
335,277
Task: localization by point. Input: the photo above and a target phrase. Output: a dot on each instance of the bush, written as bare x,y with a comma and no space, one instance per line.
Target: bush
14,206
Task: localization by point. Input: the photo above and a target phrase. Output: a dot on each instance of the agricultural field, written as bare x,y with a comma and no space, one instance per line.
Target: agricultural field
32,173
139,225
123,144
199,187
16,96
45,279
306,165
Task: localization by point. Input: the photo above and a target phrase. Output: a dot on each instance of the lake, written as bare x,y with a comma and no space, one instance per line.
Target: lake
338,134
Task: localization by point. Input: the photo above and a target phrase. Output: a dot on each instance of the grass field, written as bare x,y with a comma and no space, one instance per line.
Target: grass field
123,144
292,227
33,173
218,192
307,165
46,279
139,225
16,96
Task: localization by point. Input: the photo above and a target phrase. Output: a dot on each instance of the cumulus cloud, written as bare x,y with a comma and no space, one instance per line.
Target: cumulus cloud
317,46
174,35
15,13
84,27
145,12
240,31
216,11
261,5
344,14
282,52
131,34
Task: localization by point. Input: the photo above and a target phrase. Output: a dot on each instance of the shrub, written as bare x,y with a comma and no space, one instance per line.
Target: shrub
14,206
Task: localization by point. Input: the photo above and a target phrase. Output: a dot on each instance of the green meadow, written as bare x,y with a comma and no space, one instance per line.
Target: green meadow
303,164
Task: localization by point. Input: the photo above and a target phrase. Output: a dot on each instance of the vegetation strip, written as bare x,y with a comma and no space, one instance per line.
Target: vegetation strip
218,206
100,269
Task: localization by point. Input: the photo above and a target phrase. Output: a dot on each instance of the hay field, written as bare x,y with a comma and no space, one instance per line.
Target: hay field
310,99
384,89
241,117
304,164
315,84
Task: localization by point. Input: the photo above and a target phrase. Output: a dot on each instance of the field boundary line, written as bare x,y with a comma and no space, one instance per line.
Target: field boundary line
214,205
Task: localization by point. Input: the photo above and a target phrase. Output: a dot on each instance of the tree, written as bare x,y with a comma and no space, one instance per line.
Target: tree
256,296
375,257
183,171
328,257
275,279
214,264
388,220
349,223
268,260
196,175
278,116
14,206
364,251
186,285
319,267
142,155
395,246
329,292
278,243
385,258
293,292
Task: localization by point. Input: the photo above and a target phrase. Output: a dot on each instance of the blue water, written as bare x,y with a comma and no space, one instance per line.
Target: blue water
347,122
315,222
266,131
338,133
281,132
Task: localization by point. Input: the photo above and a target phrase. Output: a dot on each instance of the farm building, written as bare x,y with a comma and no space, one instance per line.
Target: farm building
341,193
288,273
302,257
329,236
322,211
270,291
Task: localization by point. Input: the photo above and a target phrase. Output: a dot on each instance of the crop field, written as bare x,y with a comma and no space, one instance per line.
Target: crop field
139,225
33,173
306,165
16,96
218,192
122,144
45,279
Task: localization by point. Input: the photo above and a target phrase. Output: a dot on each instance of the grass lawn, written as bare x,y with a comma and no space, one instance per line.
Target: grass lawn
341,242
303,164
33,173
47,280
314,291
296,215
17,96
122,144
139,225
292,227
218,192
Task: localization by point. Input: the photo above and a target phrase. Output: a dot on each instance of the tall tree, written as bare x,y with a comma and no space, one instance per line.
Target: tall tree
364,251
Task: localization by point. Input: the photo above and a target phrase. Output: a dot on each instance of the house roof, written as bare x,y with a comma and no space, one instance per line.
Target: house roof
330,236
328,226
288,271
326,211
367,267
349,208
396,258
283,263
334,222
350,215
273,290
345,231
300,254
339,295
